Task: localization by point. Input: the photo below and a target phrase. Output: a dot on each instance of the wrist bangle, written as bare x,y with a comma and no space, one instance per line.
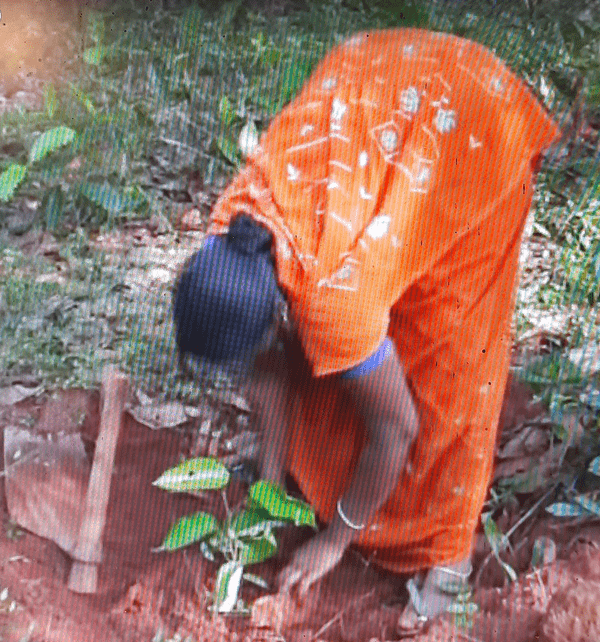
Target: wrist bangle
352,525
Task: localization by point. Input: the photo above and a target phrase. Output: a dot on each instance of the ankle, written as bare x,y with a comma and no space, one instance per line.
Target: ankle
452,579
443,587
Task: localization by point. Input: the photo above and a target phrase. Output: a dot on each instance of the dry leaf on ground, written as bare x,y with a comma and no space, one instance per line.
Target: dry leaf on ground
158,415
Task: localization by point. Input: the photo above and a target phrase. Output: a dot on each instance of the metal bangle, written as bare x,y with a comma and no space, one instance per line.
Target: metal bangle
449,571
352,525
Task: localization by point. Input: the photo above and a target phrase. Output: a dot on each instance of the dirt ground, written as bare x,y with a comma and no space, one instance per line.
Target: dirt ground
143,595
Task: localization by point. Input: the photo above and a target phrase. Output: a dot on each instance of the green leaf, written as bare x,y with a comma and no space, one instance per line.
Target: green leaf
549,370
563,509
50,100
227,587
255,551
277,503
201,473
498,543
294,75
226,111
10,179
114,200
496,538
463,607
227,146
593,92
249,523
84,99
188,530
222,542
50,141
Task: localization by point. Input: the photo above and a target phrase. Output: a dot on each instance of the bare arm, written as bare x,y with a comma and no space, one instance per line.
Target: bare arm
268,390
384,401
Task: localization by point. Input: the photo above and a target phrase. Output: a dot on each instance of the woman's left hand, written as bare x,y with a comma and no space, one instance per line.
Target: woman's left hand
311,562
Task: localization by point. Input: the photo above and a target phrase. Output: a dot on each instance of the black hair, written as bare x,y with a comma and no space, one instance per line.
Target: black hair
248,236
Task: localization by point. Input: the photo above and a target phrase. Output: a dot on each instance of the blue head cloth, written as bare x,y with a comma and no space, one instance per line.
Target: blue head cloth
226,296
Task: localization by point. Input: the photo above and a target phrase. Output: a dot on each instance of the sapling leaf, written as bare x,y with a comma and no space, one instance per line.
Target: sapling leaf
250,523
462,607
509,570
255,551
274,499
294,75
189,529
227,587
245,523
207,551
257,580
50,141
200,473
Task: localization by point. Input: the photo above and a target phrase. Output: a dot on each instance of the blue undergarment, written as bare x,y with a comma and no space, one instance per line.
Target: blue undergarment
372,363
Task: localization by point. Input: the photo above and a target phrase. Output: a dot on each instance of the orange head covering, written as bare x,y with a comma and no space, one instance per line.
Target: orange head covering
397,185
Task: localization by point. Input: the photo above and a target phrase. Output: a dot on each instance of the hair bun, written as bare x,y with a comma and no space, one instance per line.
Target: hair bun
249,237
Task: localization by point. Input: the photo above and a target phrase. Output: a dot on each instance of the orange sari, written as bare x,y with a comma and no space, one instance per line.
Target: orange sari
397,185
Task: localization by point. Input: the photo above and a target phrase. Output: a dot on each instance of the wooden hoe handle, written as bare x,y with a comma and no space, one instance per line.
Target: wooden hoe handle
88,551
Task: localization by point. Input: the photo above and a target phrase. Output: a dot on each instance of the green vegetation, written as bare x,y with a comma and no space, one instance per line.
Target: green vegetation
245,537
